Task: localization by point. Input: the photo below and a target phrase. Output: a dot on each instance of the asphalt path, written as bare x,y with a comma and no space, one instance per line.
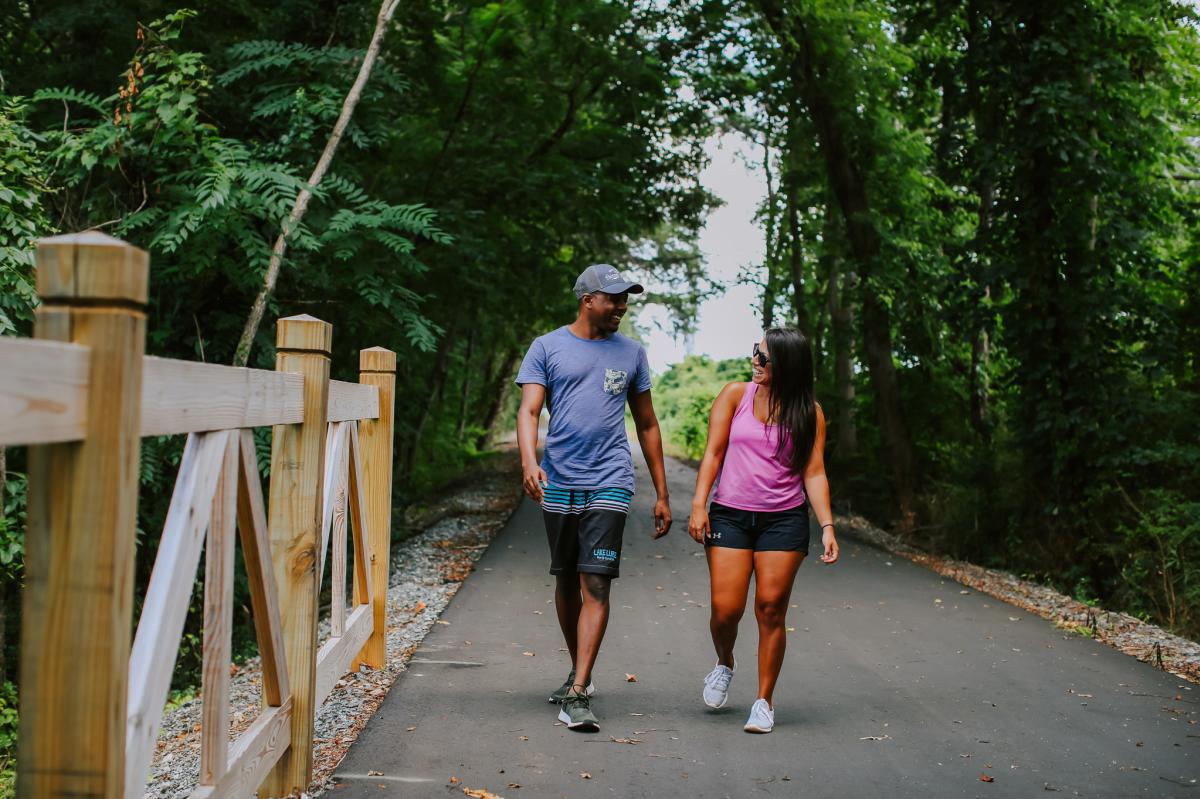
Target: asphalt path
897,682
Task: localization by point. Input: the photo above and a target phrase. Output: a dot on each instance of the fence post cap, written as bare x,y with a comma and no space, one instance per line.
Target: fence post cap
304,332
91,266
376,359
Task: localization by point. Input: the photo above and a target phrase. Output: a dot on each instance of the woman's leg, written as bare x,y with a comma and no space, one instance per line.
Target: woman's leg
729,574
775,572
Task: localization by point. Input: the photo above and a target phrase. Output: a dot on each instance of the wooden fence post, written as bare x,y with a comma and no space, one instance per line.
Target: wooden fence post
78,603
297,476
377,367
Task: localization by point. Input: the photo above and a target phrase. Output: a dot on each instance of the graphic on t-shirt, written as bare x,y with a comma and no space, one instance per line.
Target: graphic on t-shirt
615,381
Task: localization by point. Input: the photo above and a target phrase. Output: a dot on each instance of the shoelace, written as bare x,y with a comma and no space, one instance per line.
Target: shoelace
577,699
719,678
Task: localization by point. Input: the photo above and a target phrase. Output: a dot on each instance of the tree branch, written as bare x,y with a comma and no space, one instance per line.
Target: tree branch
300,206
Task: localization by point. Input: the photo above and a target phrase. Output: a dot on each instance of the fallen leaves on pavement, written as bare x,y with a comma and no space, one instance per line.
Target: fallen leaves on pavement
480,793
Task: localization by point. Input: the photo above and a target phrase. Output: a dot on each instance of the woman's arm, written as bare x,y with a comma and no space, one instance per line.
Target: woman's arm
816,487
719,420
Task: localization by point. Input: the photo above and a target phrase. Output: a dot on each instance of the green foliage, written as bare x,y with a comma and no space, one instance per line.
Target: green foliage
1160,551
12,527
683,397
23,219
1012,186
8,738
496,150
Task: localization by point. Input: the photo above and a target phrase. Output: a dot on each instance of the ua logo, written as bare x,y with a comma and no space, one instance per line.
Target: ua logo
615,381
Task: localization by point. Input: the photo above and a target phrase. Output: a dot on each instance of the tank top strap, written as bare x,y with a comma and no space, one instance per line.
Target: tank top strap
747,400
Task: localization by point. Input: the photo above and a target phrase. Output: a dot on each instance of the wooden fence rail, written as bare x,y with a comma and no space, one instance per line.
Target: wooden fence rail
81,395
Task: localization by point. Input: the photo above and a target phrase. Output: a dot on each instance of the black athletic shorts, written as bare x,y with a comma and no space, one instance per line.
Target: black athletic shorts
585,529
761,531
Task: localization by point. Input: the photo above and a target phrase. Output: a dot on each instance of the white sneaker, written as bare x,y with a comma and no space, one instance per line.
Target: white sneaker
762,718
716,686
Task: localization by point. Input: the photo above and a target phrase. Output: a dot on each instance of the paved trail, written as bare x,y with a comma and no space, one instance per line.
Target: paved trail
897,683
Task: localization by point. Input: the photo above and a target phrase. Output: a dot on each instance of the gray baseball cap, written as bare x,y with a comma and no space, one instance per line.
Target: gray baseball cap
606,278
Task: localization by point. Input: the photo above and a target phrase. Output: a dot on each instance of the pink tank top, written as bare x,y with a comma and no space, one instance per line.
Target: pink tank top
752,478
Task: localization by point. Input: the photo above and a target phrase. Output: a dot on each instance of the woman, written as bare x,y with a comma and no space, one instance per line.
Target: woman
766,439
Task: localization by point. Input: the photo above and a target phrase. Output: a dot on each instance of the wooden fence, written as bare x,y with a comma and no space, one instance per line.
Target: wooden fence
82,394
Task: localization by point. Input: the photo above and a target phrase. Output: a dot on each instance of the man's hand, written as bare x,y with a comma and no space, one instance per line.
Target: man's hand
698,524
534,481
662,517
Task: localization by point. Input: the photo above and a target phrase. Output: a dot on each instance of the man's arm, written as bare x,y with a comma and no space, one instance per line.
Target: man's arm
533,395
650,437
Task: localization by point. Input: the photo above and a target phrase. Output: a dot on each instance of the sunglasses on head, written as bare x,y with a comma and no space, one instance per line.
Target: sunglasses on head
759,355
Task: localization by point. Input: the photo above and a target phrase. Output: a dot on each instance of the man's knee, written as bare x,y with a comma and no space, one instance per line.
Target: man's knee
596,586
566,581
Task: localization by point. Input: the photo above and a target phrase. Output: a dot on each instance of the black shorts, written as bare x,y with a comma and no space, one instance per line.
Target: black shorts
761,531
588,542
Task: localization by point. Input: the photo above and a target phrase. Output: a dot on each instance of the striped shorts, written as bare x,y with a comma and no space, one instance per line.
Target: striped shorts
585,528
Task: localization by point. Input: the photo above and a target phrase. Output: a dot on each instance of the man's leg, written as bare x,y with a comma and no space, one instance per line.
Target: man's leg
562,534
593,619
567,604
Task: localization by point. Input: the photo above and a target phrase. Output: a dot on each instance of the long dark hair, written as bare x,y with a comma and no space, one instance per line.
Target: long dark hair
792,406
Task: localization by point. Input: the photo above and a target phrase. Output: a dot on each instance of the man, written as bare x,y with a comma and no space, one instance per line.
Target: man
585,372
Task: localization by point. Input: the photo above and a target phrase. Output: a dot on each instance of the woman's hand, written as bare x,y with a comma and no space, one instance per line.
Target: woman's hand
829,542
698,524
534,481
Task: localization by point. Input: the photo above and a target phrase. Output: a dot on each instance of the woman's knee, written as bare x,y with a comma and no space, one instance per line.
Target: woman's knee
770,612
726,615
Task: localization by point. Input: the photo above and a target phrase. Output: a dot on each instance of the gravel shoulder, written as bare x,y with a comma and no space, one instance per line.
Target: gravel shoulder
427,570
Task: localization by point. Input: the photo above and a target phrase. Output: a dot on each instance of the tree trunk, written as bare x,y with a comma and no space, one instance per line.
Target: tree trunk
849,188
771,244
984,114
300,206
841,316
437,383
768,312
465,390
796,250
499,390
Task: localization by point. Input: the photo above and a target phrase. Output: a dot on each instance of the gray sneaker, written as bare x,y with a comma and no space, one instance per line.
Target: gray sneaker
576,712
762,717
716,686
558,696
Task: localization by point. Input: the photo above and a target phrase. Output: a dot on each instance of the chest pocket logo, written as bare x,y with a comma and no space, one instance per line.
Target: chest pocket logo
615,381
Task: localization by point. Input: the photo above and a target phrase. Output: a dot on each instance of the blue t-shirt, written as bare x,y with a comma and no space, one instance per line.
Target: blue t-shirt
587,384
